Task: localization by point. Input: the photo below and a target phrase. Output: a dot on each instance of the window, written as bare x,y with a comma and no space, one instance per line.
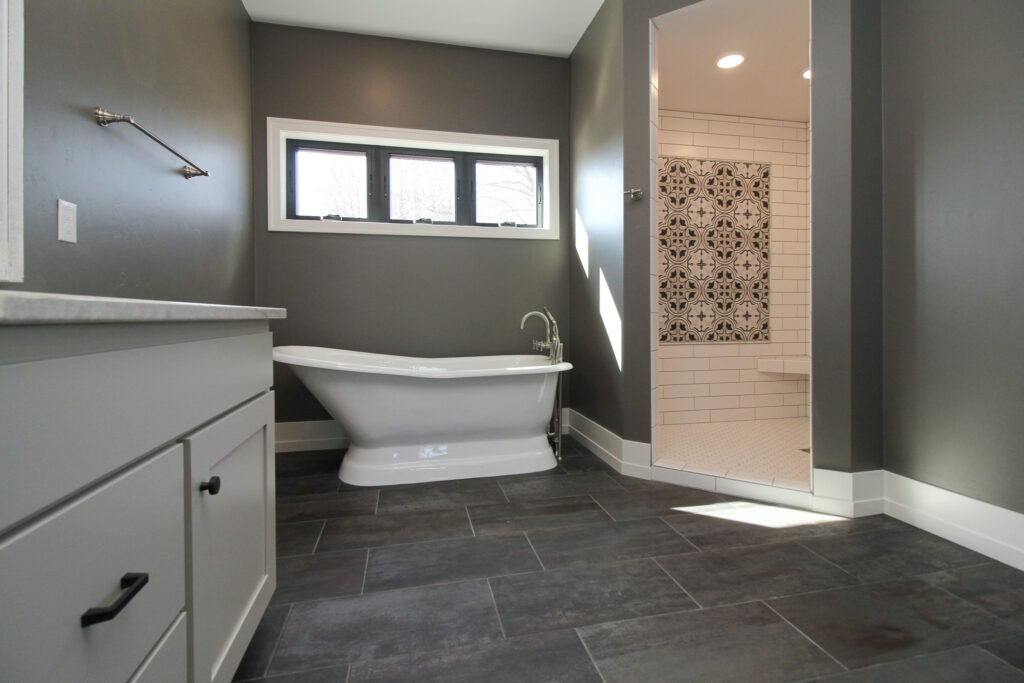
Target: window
340,178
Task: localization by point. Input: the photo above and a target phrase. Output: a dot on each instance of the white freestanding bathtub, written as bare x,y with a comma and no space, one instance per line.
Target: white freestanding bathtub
432,419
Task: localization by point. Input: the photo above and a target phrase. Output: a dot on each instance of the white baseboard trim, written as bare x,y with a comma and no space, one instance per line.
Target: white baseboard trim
311,435
985,528
982,527
625,456
850,494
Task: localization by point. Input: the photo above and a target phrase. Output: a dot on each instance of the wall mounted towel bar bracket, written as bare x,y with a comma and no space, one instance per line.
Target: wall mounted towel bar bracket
105,118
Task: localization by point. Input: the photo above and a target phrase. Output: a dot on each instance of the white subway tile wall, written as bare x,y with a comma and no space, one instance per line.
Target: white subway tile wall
719,381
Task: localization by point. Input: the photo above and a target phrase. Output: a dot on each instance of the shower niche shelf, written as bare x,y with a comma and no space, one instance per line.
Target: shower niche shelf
789,365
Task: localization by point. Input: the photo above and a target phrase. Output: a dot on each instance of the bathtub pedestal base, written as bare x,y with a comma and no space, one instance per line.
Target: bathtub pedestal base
385,465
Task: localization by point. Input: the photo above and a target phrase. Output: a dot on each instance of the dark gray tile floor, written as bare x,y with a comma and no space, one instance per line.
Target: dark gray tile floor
582,574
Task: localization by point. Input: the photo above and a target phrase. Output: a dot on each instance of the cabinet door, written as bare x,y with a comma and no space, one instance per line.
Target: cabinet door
232,554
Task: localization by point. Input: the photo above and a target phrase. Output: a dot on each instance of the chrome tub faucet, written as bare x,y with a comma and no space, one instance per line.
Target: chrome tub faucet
552,344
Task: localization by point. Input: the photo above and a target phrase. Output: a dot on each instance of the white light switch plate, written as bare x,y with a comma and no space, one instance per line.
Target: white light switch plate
67,221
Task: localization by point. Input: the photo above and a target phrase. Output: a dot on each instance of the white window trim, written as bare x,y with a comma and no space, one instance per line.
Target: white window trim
279,131
12,250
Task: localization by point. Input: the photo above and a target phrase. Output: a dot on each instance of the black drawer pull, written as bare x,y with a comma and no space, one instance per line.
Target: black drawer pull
131,584
213,486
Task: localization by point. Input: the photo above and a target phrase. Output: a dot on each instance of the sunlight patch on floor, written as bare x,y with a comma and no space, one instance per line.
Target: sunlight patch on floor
760,514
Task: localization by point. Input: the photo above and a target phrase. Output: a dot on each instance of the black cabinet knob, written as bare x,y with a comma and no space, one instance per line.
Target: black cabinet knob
212,486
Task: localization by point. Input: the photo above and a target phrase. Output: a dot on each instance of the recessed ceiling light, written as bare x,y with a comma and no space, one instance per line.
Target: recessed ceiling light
730,60
807,74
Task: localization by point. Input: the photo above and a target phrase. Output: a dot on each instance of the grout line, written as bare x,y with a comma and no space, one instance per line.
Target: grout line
981,646
589,654
348,672
817,554
494,601
323,525
366,567
961,598
591,497
542,567
809,639
358,596
681,535
290,674
277,642
669,575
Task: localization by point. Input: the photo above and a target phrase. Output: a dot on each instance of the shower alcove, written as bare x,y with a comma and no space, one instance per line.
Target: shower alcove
731,244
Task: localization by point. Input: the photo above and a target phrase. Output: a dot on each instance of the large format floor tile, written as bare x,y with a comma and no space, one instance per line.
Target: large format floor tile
308,463
331,674
440,495
563,598
994,587
312,577
378,625
892,553
607,541
309,485
298,538
558,656
711,533
1010,650
963,664
367,531
445,561
558,486
575,462
722,577
653,502
509,518
405,583
261,648
326,505
736,643
882,622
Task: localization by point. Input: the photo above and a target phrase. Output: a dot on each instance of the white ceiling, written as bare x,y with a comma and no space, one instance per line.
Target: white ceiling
774,35
546,27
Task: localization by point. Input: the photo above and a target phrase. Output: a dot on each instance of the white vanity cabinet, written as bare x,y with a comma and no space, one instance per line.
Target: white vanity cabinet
120,560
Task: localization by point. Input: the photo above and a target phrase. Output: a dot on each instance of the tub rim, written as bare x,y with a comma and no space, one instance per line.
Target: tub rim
345,360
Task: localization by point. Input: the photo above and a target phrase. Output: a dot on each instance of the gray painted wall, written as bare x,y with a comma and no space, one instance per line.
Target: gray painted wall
182,68
637,233
418,296
847,227
611,151
597,127
954,371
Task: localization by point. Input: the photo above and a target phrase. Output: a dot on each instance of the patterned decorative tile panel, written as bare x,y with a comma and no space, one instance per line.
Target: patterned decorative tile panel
713,250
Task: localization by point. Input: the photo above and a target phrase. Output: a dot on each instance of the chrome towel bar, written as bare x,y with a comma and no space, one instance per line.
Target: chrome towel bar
105,118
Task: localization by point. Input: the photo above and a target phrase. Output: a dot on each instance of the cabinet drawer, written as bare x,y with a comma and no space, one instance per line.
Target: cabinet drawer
168,662
77,419
74,559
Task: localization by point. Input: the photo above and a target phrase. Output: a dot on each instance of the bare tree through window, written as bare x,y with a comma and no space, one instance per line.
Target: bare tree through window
506,193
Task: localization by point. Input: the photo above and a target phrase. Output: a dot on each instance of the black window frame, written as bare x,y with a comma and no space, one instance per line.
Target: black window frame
377,181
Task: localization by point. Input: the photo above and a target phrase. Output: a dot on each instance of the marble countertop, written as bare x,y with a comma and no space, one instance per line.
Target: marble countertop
34,308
